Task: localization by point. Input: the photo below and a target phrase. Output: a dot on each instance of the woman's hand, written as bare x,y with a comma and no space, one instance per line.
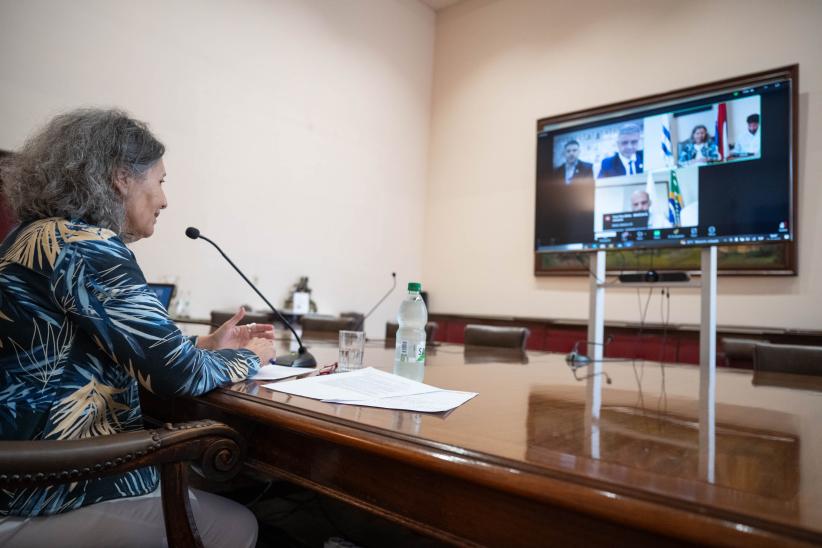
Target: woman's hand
231,335
264,348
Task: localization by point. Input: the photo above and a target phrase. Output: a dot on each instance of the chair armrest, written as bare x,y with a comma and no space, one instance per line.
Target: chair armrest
217,448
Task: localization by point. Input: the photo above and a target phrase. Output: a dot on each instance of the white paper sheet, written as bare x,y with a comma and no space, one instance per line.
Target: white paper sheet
374,388
429,402
276,372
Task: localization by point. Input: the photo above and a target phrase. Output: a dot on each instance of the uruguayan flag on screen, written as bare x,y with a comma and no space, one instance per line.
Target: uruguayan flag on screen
659,143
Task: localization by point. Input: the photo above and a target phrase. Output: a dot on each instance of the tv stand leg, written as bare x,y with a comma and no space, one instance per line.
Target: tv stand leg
595,345
707,366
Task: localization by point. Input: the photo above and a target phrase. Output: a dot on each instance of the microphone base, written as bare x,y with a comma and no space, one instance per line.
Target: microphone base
296,360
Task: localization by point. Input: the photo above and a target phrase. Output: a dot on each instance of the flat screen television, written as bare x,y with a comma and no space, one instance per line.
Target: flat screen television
713,164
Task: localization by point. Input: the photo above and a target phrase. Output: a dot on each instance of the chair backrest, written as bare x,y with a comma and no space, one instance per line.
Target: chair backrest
739,352
216,448
326,327
500,337
430,331
491,354
788,358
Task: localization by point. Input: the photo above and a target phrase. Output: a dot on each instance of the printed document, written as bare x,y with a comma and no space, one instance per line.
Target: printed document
374,388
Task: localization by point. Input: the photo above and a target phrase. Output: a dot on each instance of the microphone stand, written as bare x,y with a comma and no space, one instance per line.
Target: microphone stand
590,375
361,323
303,357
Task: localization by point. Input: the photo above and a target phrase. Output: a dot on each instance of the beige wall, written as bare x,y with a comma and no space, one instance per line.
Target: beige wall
501,65
296,131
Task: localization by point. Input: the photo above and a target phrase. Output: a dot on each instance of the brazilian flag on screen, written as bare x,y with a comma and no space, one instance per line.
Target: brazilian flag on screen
674,201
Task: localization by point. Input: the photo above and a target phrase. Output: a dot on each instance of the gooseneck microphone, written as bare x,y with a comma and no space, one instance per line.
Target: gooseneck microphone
575,360
303,357
361,323
591,375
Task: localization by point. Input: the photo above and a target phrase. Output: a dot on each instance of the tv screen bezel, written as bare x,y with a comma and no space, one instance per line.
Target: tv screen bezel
790,72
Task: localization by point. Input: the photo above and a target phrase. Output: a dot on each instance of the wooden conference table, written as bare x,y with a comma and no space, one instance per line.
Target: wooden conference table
525,463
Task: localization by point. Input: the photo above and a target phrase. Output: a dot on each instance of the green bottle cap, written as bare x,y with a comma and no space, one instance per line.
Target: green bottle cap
414,286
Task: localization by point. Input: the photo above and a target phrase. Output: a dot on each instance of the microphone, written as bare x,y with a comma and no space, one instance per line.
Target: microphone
591,375
361,323
575,360
303,357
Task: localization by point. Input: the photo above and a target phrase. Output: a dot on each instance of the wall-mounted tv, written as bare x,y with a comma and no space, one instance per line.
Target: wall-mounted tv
713,164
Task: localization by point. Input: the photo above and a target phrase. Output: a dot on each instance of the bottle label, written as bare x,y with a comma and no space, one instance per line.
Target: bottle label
412,353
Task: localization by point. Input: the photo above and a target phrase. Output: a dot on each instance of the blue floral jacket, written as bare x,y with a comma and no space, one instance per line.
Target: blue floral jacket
687,151
79,329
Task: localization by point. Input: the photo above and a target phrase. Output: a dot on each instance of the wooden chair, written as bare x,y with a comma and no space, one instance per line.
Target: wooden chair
430,331
788,358
215,448
499,337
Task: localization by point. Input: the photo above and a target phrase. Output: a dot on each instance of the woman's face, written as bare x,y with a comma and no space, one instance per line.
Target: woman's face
144,198
700,135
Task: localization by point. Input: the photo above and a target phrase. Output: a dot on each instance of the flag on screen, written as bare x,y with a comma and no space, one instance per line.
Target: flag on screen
674,201
722,130
667,145
649,189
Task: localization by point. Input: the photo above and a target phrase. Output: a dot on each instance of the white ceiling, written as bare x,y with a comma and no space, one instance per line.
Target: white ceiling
437,5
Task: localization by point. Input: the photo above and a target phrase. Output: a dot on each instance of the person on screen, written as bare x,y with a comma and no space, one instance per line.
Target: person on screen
573,168
700,148
565,201
748,142
628,158
641,201
82,331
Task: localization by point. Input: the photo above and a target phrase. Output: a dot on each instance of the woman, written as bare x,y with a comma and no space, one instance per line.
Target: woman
79,329
699,148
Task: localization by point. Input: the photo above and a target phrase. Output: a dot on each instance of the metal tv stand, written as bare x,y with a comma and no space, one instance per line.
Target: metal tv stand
707,347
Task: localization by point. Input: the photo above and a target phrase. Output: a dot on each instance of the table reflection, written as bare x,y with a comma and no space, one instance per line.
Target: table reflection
643,432
593,409
665,442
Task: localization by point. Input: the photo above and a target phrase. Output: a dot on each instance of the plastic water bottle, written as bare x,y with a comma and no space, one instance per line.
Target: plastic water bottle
409,356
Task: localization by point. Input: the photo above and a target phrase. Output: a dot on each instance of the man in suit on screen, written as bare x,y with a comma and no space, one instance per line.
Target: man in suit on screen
628,158
565,197
573,168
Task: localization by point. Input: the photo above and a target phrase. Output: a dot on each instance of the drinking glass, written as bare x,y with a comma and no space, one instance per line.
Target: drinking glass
352,344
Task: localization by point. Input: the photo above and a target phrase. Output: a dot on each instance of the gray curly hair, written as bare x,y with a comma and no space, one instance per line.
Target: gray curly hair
67,169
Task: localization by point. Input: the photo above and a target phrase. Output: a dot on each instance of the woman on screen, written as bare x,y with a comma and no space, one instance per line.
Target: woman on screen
700,148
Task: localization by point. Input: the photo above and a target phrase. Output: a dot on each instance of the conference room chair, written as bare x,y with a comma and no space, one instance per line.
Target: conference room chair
430,331
326,327
494,336
491,354
737,352
213,447
787,358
